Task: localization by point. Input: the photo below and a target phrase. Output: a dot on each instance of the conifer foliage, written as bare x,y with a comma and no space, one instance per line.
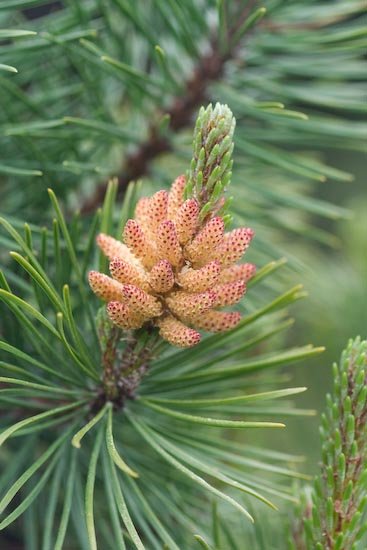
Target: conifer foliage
333,515
122,388
136,423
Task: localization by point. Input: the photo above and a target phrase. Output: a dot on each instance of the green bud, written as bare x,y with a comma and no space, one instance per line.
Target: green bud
212,158
205,210
218,188
354,521
353,452
344,385
212,136
214,155
188,189
347,405
226,207
347,494
199,118
307,523
213,177
225,146
200,165
341,468
199,181
363,480
192,165
206,116
362,505
361,531
229,201
350,430
228,219
226,178
330,479
361,402
197,145
359,382
339,496
339,543
337,442
330,513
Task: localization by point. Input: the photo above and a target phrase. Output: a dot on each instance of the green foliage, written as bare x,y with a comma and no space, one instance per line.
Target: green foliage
96,89
211,167
55,364
338,284
112,81
333,516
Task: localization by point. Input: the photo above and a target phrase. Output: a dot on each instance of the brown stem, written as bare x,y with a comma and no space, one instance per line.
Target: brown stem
123,369
209,68
108,362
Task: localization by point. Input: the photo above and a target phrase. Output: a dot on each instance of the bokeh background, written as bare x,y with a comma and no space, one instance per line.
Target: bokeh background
335,310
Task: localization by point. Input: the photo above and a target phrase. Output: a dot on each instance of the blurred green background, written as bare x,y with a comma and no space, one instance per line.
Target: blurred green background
336,306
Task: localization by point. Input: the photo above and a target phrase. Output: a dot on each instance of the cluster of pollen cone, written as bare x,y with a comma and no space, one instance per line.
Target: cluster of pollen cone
173,271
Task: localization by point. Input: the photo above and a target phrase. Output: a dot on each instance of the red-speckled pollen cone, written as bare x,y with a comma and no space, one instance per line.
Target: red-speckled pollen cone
173,270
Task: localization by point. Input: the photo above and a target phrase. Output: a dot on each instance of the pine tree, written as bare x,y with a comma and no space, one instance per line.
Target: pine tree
111,435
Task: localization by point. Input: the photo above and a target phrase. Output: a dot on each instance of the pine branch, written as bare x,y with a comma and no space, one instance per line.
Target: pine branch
335,517
109,408
209,68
